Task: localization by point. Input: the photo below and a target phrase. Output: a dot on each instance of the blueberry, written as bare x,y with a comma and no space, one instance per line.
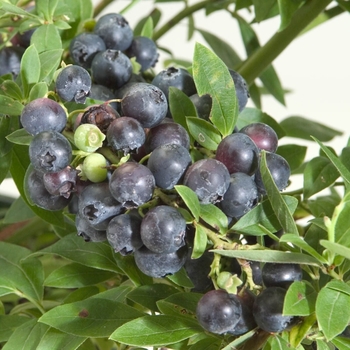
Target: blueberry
73,83
115,31
111,68
84,47
163,229
144,50
132,184
146,103
241,87
280,275
43,114
159,265
218,311
209,179
203,105
102,93
10,60
50,152
87,231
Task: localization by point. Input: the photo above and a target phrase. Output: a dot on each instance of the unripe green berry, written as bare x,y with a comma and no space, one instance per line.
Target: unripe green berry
88,137
94,167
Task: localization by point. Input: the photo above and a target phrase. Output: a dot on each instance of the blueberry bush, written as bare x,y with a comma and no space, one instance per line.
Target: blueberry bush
155,207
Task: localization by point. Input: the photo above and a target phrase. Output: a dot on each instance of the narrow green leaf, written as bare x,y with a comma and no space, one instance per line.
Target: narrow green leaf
300,299
204,132
262,9
206,344
92,317
300,243
7,126
303,128
277,201
46,8
339,286
343,171
72,247
301,330
276,342
81,294
155,14
274,256
11,89
159,330
49,61
23,277
190,199
293,154
212,77
39,90
30,68
54,339
10,106
200,242
336,248
181,279
332,310
147,29
8,324
18,211
5,164
76,276
341,343
222,49
287,9
213,216
148,295
20,137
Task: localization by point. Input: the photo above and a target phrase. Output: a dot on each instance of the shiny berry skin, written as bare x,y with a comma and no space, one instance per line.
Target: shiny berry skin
115,31
239,153
10,60
73,83
159,265
209,179
240,197
281,275
146,103
111,68
241,87
50,152
268,308
218,311
43,114
126,134
96,203
279,169
132,184
123,233
203,105
102,93
168,164
37,194
61,183
145,52
163,229
179,78
263,136
87,231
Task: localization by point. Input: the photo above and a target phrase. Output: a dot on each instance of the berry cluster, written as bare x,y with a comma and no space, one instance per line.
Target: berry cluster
116,166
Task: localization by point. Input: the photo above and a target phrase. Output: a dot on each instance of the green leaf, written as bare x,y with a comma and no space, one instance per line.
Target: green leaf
190,199
287,9
159,330
303,128
339,286
54,339
343,171
301,330
46,8
293,154
49,61
273,256
277,201
8,324
300,243
181,279
7,126
92,317
212,77
118,294
332,310
81,294
21,275
148,295
18,211
5,164
27,336
341,343
213,216
319,174
336,248
30,68
300,299
20,137
200,242
262,9
222,49
276,342
10,106
76,276
204,132
155,14
39,90
147,29
97,255
11,89
206,344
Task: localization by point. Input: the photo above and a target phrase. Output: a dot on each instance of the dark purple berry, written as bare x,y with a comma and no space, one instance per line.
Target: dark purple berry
241,87
281,275
61,183
87,231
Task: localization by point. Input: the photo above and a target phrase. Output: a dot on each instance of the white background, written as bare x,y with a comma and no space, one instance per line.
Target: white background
315,67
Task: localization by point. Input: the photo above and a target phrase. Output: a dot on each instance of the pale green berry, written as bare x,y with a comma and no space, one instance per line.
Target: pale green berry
94,167
88,137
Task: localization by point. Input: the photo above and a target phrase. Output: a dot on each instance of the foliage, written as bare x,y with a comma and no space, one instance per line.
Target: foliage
59,292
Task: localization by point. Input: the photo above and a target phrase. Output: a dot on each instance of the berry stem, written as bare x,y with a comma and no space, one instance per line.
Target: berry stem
264,56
